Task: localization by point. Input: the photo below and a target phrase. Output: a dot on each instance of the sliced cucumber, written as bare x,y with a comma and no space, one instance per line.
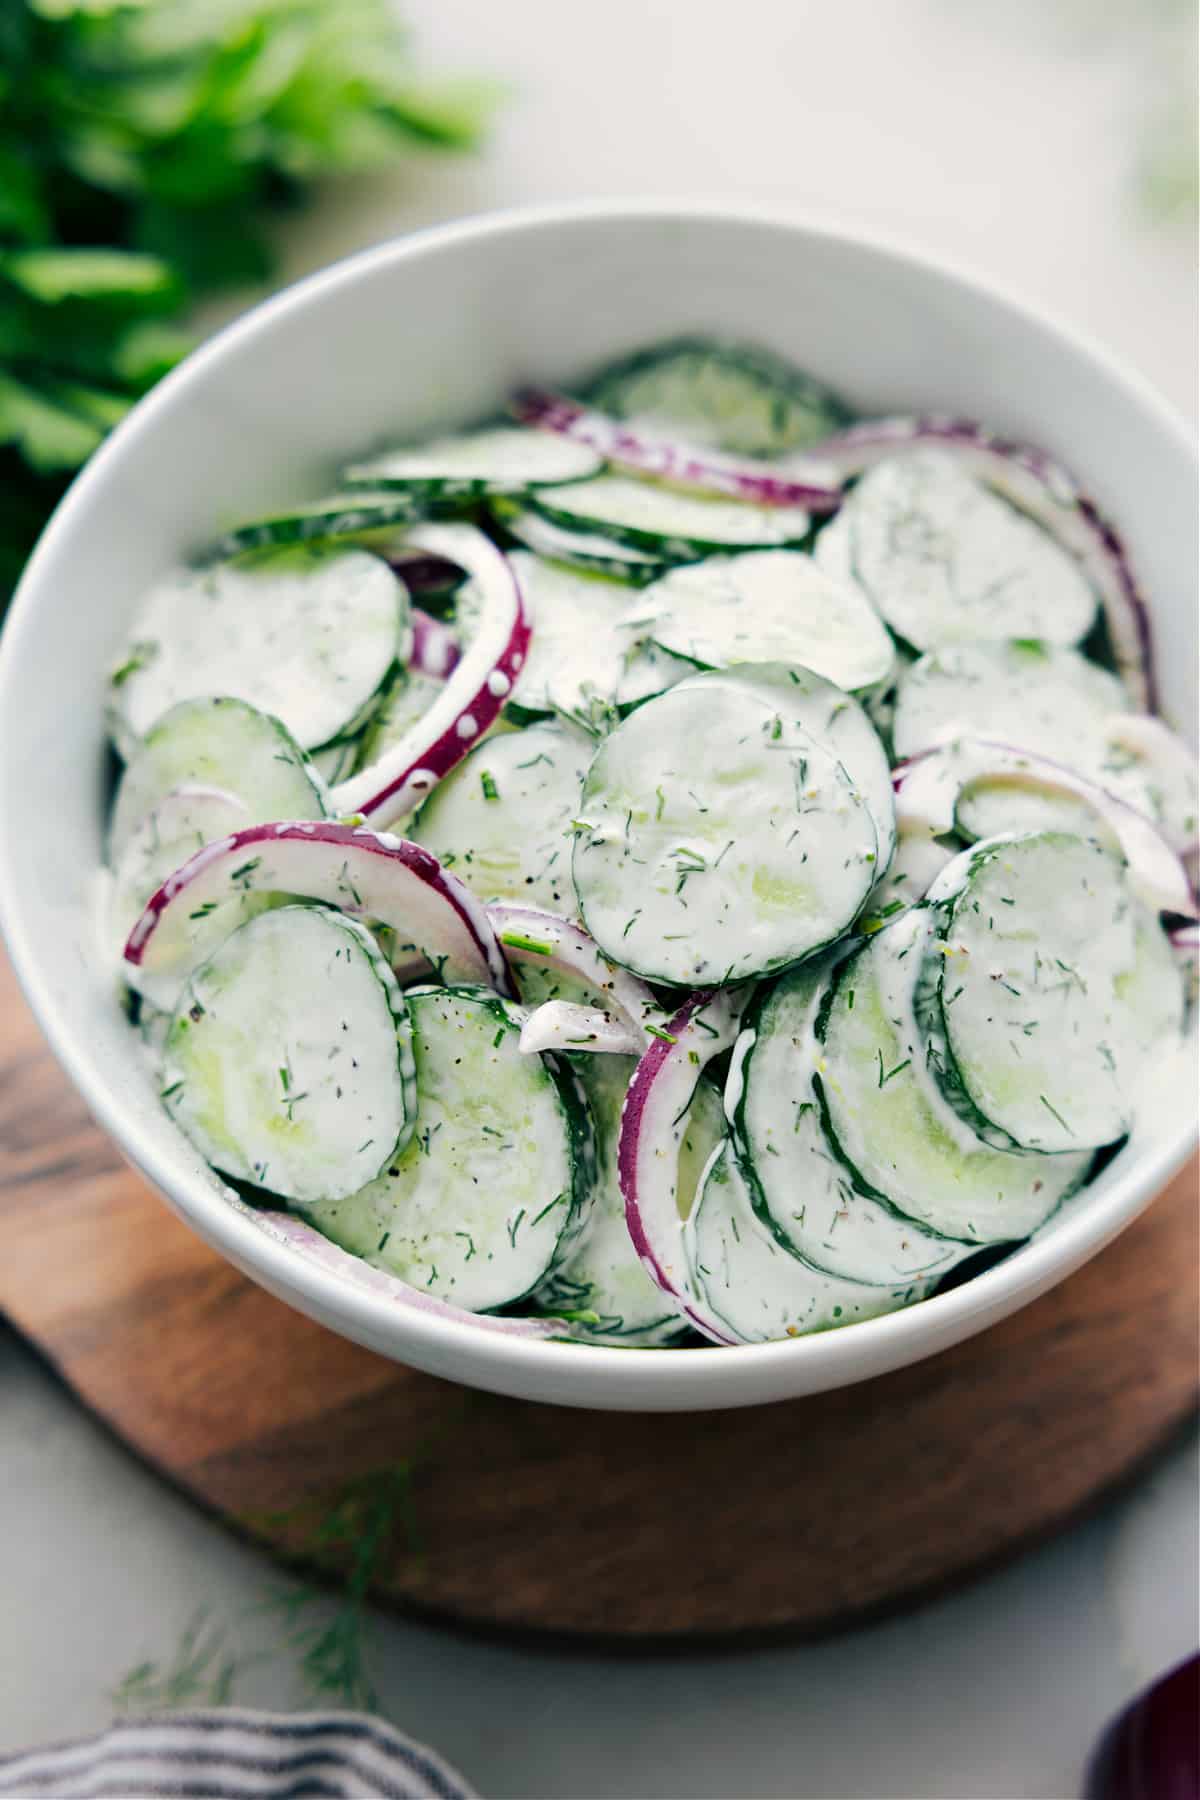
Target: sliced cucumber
833,550
918,860
602,1275
354,515
735,397
289,1059
585,550
1001,804
305,634
504,460
182,823
474,1208
222,744
840,724
584,660
753,849
1023,987
334,762
502,820
758,1288
900,1139
1042,697
675,526
406,700
946,560
770,606
798,1184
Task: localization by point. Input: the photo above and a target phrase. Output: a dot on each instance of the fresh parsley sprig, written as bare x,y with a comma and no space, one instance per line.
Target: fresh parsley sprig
143,146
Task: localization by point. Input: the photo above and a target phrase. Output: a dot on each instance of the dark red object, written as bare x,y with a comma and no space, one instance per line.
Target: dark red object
1152,1750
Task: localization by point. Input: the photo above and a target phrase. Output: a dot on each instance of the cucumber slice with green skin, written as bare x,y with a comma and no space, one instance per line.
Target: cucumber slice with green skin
359,514
1003,804
362,872
769,606
733,864
675,526
505,460
333,762
307,635
289,1060
756,1287
598,1272
584,660
840,724
833,550
735,397
216,743
406,699
602,1275
1022,991
900,1139
1042,489
474,1208
584,550
182,823
916,864
798,1185
948,561
502,819
1045,697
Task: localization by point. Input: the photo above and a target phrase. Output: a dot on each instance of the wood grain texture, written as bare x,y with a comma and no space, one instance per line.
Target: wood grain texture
797,1517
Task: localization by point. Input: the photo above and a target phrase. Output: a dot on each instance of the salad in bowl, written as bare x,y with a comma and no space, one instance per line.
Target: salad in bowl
682,862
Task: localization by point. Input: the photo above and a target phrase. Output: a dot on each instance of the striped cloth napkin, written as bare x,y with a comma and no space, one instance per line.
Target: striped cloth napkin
229,1753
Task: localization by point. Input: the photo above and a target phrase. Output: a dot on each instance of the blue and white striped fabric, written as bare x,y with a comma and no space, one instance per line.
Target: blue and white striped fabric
231,1754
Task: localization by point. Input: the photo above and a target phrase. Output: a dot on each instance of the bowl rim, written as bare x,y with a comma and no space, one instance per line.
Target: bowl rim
641,1379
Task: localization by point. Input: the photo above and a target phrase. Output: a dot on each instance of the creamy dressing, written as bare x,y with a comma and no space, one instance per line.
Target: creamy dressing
806,1192
1040,944
586,655
305,635
502,819
756,1287
903,1142
700,868
288,1061
1042,697
474,1207
769,606
946,561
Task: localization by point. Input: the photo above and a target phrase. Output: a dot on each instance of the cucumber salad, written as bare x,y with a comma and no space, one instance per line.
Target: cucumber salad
675,864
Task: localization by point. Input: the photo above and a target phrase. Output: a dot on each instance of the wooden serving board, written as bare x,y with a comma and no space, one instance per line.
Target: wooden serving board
797,1517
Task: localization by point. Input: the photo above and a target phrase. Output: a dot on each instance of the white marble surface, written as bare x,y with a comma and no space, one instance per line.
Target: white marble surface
1003,136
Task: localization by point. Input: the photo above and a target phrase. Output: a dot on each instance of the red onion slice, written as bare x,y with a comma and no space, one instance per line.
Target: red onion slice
350,867
564,1025
435,649
1039,486
472,697
814,487
656,1105
530,934
928,787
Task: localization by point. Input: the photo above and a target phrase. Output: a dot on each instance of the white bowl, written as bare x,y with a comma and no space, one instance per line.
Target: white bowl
435,330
